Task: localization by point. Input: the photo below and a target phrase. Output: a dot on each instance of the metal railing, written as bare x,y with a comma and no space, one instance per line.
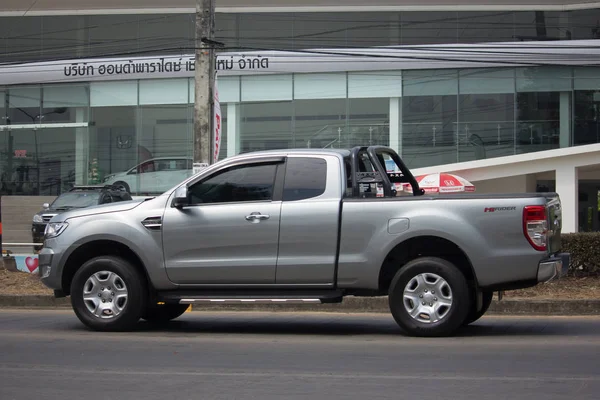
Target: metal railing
9,249
520,132
333,133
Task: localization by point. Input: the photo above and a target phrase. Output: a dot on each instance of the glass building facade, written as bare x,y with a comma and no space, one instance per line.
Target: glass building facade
55,134
39,38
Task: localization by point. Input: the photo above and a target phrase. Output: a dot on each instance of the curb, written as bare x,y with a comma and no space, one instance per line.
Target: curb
32,301
545,307
349,305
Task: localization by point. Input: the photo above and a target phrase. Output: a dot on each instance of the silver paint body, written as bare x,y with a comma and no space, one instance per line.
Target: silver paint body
214,245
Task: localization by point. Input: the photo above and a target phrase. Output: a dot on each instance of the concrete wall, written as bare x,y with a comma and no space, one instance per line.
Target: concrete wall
512,184
17,215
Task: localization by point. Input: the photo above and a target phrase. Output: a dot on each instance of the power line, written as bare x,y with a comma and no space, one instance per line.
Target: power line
294,17
143,48
491,49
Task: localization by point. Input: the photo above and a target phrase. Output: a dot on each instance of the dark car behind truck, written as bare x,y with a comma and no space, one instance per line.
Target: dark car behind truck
78,197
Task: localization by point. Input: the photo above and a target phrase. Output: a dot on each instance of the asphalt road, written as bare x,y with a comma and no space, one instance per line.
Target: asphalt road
49,355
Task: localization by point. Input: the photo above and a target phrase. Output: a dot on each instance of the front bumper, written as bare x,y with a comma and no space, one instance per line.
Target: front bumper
553,268
48,269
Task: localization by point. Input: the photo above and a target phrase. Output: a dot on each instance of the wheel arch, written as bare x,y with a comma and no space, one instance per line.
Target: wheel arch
424,246
96,248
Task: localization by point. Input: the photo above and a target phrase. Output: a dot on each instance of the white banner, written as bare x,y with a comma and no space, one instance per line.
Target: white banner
216,124
568,52
197,167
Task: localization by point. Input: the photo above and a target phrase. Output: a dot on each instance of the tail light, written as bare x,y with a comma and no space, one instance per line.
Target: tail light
535,226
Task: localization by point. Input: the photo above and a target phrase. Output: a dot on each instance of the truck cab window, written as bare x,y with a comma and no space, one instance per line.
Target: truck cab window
305,177
236,184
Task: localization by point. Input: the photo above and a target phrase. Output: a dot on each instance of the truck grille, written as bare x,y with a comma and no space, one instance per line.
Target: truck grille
47,217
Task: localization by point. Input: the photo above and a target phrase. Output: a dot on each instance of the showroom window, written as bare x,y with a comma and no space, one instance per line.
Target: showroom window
45,151
586,106
430,115
543,103
370,98
265,126
486,105
136,122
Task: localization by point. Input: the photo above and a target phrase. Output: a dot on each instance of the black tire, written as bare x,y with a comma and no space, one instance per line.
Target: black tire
124,185
486,301
454,315
132,308
163,313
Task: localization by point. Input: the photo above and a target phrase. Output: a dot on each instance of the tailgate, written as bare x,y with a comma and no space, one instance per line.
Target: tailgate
554,222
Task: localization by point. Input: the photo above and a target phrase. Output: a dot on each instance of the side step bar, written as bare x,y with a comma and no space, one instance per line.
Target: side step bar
253,301
250,297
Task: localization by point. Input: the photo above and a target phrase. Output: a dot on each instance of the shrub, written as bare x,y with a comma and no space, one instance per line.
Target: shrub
585,253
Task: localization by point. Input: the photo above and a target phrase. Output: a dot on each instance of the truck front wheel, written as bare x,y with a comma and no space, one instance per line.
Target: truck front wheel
108,294
429,296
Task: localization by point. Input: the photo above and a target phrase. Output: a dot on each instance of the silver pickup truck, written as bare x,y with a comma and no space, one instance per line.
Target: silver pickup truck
303,226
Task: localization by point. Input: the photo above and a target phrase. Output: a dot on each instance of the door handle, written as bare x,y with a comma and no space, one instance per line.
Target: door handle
256,217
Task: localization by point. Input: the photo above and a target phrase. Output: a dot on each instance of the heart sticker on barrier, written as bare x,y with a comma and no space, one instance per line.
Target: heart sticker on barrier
32,263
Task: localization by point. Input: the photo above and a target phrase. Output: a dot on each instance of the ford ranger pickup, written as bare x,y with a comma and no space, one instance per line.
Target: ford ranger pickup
303,226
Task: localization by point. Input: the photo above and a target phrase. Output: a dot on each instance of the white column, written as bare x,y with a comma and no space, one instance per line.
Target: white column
81,148
396,124
567,187
565,119
233,129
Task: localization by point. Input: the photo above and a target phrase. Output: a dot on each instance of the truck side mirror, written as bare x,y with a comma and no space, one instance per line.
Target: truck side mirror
181,198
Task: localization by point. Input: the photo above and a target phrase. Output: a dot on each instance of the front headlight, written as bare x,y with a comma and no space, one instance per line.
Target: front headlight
54,229
37,218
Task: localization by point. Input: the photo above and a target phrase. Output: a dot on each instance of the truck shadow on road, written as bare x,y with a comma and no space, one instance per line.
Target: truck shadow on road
196,323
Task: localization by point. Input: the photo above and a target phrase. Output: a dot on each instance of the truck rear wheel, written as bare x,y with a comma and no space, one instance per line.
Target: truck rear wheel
429,296
163,313
108,294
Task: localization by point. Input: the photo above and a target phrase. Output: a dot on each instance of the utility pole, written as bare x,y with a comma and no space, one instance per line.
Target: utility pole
204,81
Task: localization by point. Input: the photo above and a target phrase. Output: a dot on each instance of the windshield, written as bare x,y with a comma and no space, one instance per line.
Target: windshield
76,200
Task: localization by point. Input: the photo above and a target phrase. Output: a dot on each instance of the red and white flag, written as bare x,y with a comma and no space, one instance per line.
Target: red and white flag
217,124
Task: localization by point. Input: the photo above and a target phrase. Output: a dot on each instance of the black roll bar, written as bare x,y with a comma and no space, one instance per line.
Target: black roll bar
380,176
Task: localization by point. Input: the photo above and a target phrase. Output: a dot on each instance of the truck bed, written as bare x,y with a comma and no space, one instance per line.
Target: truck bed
487,227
